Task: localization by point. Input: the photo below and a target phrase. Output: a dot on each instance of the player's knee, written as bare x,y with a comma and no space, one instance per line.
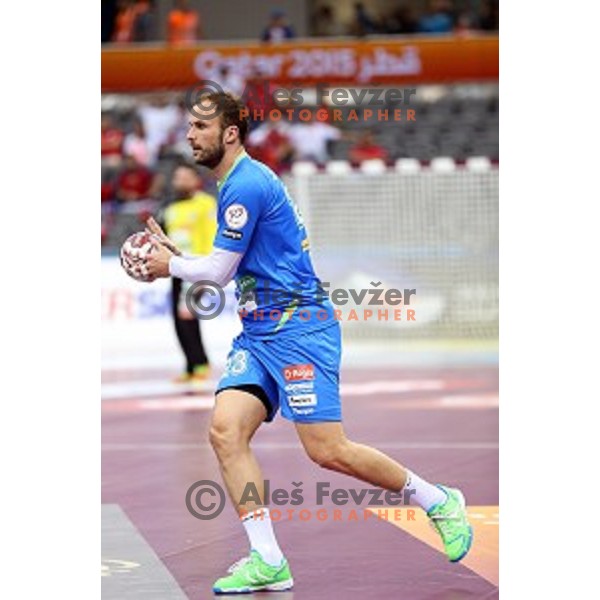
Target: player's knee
226,438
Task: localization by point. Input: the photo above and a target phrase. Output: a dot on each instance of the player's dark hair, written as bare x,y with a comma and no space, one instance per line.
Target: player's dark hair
232,111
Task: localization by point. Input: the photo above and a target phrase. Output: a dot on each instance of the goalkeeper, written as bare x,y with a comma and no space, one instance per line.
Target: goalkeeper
290,363
190,222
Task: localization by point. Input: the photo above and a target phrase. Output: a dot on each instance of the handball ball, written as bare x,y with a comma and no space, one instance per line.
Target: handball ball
134,251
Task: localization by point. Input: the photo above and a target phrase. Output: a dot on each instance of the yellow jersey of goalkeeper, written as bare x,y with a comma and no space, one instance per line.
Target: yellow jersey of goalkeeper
192,223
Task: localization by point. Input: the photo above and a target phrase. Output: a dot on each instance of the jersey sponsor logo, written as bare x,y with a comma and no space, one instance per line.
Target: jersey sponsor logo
246,282
302,401
249,303
303,411
295,388
236,216
299,372
232,235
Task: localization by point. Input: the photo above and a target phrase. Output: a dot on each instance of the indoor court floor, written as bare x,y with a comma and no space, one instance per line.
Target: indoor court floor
442,422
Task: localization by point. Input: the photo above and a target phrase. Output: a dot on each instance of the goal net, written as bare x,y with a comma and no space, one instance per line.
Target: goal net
429,231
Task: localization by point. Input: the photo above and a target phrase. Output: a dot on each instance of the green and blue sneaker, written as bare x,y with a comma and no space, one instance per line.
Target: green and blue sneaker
253,574
450,520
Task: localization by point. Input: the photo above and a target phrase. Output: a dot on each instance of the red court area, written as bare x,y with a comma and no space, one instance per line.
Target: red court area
440,422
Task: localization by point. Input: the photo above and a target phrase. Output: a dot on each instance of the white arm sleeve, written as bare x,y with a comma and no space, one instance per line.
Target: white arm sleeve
219,266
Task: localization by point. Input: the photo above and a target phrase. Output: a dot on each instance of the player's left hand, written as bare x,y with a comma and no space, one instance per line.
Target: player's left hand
157,261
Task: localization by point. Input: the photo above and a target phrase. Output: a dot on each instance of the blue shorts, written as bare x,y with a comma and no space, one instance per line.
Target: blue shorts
300,374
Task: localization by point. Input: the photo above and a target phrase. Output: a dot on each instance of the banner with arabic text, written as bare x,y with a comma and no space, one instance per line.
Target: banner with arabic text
383,61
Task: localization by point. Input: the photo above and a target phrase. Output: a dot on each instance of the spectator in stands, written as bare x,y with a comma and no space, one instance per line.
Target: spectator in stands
367,149
489,16
136,144
402,20
144,28
111,140
230,81
108,16
270,143
159,117
278,28
310,140
464,24
439,18
363,24
258,96
123,30
184,24
106,191
176,142
326,24
135,182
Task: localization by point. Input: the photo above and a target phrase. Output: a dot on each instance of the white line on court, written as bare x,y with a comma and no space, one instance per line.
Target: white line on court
195,402
391,387
152,388
474,400
119,447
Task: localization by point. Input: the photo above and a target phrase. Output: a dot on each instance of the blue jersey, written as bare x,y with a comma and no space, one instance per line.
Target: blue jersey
277,289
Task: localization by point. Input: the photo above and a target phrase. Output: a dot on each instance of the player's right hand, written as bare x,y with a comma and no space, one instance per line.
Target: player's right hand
155,229
157,261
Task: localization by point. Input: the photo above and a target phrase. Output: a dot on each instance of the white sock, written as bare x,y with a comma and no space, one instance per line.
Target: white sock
259,527
421,493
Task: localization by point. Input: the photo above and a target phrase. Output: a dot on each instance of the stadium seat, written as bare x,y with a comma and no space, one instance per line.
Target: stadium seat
304,167
443,164
373,167
338,167
408,165
478,163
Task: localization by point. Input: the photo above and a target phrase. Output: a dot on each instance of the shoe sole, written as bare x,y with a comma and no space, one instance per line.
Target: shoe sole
470,543
280,586
463,504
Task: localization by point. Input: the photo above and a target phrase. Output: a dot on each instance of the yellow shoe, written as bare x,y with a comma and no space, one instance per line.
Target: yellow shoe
183,378
200,373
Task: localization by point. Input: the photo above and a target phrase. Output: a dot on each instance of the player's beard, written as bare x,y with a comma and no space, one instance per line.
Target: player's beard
211,157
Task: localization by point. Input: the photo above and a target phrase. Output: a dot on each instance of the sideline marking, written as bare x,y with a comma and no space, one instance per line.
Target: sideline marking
483,556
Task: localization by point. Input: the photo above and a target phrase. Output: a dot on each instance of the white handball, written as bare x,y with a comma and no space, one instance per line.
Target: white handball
134,251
